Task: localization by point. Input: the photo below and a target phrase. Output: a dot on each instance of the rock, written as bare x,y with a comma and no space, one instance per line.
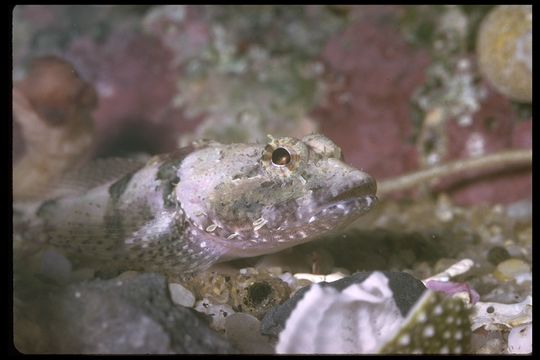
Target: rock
181,296
55,266
497,254
512,269
243,330
132,315
406,291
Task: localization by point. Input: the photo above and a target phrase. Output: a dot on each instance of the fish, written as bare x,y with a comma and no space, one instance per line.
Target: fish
206,203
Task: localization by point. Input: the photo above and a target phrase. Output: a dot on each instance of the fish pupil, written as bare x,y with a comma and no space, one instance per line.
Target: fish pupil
281,156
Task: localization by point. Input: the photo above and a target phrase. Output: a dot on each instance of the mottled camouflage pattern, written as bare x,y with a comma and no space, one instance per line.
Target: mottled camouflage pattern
210,202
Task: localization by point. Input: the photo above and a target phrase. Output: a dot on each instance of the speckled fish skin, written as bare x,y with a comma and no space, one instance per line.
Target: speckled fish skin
210,202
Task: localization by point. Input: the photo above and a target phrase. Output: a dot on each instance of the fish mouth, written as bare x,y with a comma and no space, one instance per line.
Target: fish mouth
355,199
366,187
351,202
349,208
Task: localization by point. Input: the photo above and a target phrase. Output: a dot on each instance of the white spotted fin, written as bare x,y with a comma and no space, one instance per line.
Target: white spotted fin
437,324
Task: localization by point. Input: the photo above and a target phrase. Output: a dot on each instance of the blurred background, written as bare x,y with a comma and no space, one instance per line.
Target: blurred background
398,88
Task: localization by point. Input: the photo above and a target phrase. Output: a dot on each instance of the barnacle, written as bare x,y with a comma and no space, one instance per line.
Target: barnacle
256,294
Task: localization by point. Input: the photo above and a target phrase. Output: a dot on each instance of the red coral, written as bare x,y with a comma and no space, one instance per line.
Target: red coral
136,82
369,116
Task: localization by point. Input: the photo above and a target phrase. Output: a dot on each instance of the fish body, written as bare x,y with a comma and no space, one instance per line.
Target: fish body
210,202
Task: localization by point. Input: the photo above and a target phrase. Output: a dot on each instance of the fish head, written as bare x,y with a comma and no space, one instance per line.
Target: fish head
256,199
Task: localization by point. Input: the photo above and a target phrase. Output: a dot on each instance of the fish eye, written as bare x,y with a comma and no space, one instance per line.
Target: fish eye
281,156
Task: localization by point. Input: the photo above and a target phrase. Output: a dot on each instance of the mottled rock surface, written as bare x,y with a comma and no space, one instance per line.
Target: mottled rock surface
133,315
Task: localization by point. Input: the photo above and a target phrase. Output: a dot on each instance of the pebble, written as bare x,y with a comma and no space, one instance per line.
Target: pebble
55,266
511,269
504,50
218,312
520,210
497,254
243,331
181,296
520,340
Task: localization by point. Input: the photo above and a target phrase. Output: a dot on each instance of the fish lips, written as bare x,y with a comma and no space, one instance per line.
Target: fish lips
354,199
366,187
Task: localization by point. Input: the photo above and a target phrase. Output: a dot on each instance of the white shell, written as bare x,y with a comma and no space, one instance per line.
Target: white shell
520,340
314,278
456,269
360,319
501,315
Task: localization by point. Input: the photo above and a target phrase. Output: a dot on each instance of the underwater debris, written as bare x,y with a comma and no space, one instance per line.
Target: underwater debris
461,290
496,316
355,320
314,278
458,268
520,340
212,285
441,282
365,318
504,50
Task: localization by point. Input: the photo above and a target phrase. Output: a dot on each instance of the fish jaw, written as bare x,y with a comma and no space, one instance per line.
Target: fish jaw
249,203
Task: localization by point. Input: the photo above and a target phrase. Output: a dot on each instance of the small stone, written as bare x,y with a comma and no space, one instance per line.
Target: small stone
504,49
217,312
55,266
521,210
497,255
243,330
510,269
181,296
